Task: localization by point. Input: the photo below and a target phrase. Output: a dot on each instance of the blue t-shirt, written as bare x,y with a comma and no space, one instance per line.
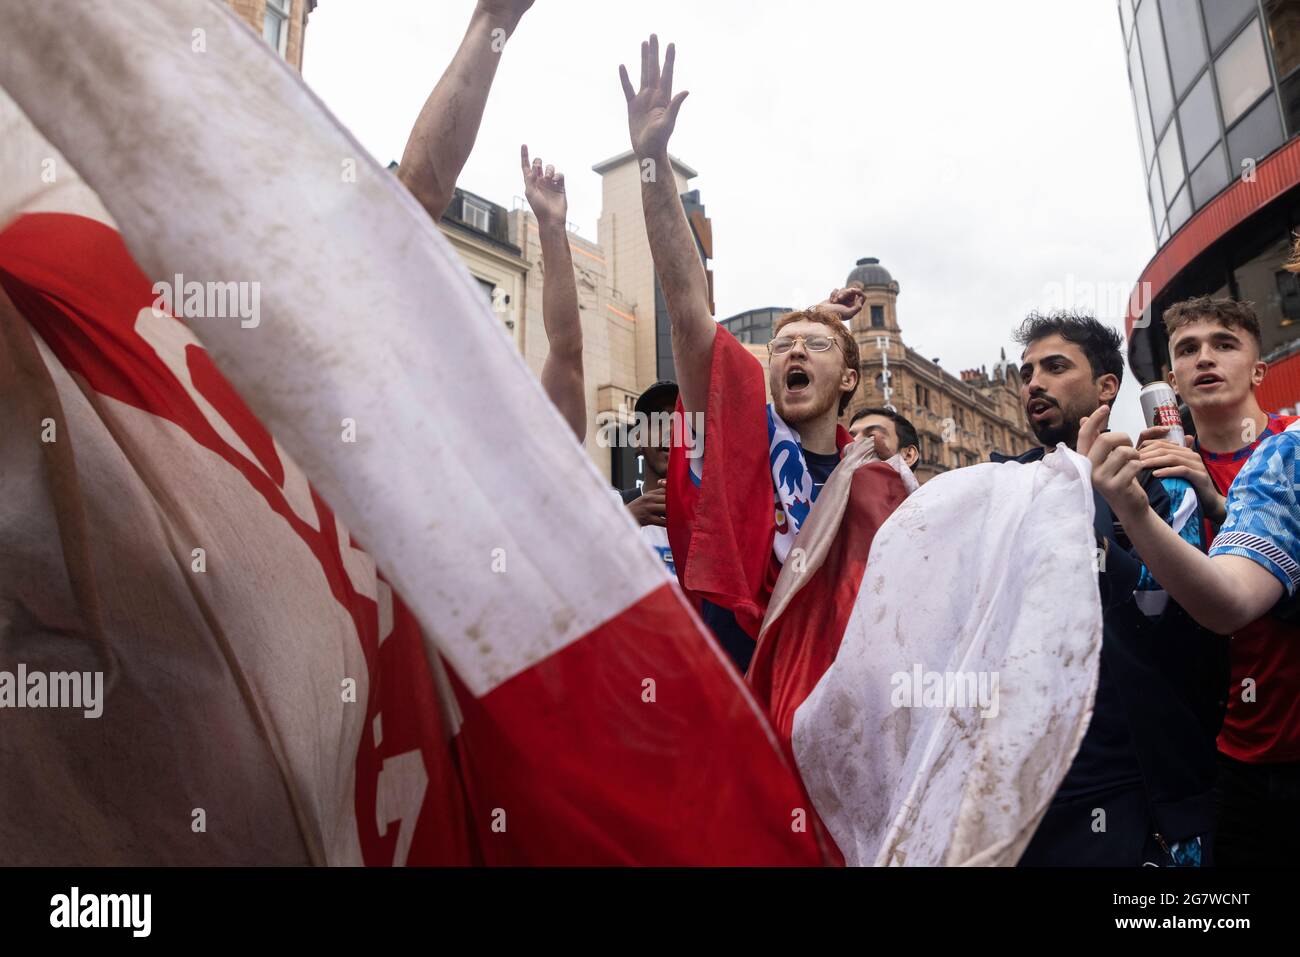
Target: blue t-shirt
1263,521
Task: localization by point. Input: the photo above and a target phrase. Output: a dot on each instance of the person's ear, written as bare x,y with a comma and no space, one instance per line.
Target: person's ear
1107,387
911,455
1257,372
849,380
1173,384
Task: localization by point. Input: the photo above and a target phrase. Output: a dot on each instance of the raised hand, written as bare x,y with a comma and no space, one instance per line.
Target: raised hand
544,190
652,110
1115,465
844,304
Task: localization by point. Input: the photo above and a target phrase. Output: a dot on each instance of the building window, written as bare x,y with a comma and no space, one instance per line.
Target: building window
877,317
1138,79
1257,135
1283,18
1257,282
1210,177
1222,17
1242,72
1186,43
488,287
1171,162
1157,194
476,214
1180,210
275,26
1288,291
1152,42
1199,120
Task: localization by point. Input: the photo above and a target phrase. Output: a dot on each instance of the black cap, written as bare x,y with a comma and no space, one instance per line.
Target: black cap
656,396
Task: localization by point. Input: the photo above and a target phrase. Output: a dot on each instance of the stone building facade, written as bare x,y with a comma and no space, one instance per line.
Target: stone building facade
960,419
282,23
626,334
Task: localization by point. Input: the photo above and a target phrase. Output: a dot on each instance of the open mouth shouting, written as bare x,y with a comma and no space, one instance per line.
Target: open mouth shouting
797,380
1207,381
1039,408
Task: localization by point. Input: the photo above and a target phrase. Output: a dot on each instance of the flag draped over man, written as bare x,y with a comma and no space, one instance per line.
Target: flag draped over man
929,657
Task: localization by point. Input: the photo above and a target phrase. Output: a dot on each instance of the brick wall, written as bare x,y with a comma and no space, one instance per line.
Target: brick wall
253,12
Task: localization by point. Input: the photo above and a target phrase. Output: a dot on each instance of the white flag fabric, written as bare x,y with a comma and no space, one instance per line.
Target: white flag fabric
929,655
964,682
530,688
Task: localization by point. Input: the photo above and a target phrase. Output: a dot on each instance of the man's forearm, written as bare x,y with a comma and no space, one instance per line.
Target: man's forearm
444,132
1223,593
562,376
681,276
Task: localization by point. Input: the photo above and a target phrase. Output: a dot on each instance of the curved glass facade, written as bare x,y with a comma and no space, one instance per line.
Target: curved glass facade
1216,88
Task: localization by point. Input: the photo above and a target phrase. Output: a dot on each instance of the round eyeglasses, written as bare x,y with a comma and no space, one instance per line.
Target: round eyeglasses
783,344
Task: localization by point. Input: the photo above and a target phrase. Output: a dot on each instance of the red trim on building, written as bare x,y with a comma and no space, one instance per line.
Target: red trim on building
1281,386
1278,173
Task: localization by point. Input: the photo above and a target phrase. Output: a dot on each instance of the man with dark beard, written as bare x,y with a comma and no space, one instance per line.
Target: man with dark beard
1140,788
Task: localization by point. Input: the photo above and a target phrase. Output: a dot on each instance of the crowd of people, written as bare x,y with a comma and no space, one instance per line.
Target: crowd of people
1192,756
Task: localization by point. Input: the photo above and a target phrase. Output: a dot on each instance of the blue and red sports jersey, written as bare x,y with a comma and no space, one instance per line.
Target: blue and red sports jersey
1266,653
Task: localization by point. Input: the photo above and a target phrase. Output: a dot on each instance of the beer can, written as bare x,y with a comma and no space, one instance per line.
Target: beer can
1160,407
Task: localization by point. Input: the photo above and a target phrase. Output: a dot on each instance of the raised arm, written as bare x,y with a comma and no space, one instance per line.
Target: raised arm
651,116
447,126
1224,592
562,372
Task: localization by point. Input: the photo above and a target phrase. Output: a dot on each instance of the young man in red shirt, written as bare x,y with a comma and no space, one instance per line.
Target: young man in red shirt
736,500
1214,347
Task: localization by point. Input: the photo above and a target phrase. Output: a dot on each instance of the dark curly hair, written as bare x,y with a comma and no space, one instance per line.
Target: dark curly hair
1103,345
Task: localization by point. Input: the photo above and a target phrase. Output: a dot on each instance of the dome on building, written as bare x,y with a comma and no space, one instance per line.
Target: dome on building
868,272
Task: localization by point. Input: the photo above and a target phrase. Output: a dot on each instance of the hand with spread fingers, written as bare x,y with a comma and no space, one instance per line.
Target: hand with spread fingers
1167,459
652,110
844,304
544,190
1115,465
651,117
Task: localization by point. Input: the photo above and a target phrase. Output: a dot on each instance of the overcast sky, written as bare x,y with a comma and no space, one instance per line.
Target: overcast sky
985,152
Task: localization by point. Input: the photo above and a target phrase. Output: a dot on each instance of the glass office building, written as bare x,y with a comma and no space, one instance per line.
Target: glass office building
1216,91
754,327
